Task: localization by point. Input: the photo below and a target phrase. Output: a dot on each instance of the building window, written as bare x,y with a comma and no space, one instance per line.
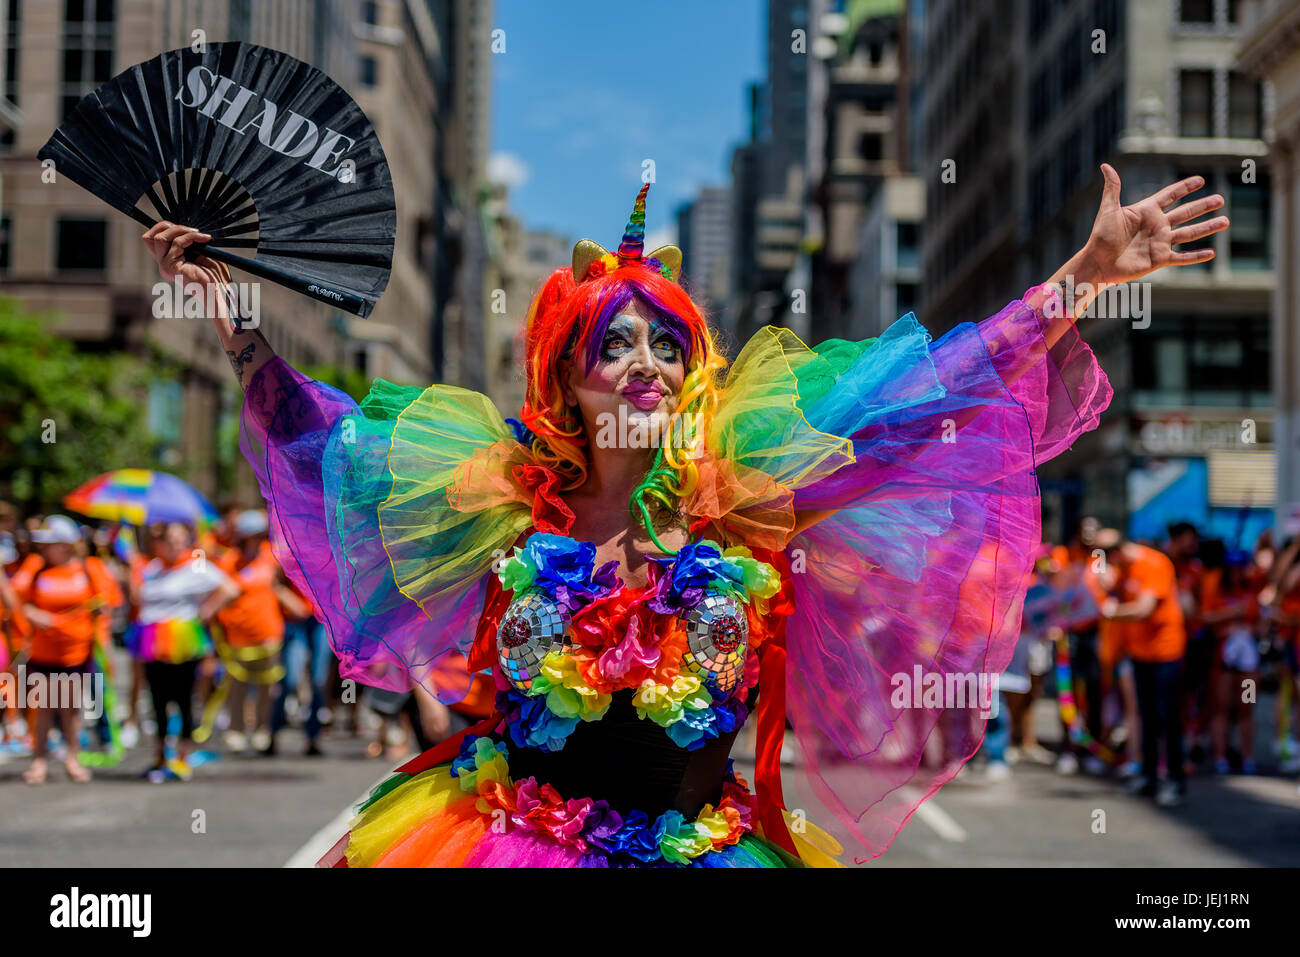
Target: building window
12,30
81,245
370,13
1196,11
6,223
1249,239
87,49
1195,103
909,246
1202,360
871,146
1245,107
1040,14
905,298
369,72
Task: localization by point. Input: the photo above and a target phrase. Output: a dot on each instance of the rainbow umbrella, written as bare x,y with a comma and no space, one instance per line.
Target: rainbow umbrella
141,497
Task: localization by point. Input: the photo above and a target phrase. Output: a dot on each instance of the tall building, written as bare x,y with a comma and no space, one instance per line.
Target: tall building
885,276
402,86
71,256
1270,52
767,187
1012,148
66,254
519,260
703,233
862,131
461,354
975,84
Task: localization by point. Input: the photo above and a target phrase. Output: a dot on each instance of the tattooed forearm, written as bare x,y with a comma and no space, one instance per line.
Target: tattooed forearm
241,359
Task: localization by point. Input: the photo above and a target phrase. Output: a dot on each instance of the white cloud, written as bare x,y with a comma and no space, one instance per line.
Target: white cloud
508,170
660,237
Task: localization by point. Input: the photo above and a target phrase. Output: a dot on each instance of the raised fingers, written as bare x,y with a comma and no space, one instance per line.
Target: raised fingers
1198,230
1188,257
1176,191
1189,211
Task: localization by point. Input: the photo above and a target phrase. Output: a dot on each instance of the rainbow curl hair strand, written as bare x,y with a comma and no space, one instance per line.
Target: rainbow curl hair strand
567,319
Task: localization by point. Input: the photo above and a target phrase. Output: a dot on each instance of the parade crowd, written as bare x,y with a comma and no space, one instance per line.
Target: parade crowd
1162,655
201,632
1157,655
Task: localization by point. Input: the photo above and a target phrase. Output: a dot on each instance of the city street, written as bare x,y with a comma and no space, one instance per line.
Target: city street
271,812
259,811
1039,818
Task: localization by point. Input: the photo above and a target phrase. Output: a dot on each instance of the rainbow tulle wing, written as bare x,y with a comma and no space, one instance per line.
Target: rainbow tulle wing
923,454
358,499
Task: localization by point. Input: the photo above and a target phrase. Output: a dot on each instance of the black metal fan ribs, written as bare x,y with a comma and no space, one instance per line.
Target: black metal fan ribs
265,153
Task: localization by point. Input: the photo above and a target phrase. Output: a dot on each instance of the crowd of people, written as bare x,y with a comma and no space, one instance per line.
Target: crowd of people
1156,656
1162,654
199,633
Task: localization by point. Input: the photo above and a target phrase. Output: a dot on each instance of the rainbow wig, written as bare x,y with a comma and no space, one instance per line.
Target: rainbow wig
568,318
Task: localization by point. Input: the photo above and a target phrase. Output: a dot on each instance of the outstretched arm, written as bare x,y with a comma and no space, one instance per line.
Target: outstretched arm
1129,242
247,349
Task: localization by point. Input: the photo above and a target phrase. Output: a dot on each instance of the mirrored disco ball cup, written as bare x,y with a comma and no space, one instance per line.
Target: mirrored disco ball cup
259,150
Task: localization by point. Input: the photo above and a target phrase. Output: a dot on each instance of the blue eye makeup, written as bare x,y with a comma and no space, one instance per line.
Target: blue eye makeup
621,335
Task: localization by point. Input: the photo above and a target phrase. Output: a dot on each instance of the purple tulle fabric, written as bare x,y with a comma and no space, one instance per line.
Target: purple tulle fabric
321,463
922,569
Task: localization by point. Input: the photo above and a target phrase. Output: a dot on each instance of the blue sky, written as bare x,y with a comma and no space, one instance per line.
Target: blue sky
584,92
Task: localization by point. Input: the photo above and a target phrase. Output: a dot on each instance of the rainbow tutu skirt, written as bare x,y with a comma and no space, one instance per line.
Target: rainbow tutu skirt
170,642
469,813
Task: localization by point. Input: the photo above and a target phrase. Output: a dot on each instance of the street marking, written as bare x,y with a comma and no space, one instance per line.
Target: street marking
328,836
941,822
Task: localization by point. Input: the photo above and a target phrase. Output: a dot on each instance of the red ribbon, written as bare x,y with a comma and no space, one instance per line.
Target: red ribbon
771,733
550,514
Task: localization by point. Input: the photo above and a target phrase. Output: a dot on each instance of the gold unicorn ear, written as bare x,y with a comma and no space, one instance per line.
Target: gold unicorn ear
671,257
584,254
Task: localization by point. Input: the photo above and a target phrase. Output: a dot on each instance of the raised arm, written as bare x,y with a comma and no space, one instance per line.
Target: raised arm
1129,242
247,349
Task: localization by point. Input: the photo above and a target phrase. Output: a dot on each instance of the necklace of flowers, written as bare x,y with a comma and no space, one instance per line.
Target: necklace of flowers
585,824
645,652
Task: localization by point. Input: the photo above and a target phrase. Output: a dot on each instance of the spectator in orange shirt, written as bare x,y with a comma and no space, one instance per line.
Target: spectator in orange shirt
253,627
1115,671
1282,604
1232,614
1144,594
63,596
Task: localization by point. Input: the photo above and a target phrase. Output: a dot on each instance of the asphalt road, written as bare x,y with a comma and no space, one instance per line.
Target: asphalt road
239,811
267,812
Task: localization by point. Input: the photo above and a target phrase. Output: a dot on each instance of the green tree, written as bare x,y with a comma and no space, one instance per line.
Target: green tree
351,381
65,416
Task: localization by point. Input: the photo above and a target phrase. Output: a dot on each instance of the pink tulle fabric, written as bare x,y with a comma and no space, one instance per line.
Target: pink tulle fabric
922,570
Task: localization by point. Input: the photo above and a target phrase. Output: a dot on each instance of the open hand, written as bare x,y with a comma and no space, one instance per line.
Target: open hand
1128,242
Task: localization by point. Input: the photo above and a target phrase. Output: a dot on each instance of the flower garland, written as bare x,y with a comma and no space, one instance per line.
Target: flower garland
627,639
483,768
607,263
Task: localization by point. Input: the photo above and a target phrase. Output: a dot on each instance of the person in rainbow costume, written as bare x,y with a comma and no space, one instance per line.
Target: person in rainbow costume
656,552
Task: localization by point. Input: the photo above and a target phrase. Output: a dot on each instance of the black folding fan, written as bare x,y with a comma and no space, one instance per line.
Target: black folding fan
265,153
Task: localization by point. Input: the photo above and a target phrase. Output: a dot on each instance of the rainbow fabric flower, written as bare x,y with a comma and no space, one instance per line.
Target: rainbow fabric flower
483,767
563,567
617,645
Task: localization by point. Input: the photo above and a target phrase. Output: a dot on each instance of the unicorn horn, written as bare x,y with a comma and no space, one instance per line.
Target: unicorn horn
630,249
